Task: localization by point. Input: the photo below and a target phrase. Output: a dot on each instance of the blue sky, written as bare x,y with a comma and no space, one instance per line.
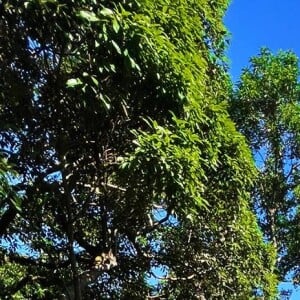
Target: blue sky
262,23
257,23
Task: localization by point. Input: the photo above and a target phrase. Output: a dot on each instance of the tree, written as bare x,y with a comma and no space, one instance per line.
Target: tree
266,110
113,118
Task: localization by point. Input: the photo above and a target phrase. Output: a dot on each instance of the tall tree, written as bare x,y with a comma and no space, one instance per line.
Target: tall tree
126,163
266,109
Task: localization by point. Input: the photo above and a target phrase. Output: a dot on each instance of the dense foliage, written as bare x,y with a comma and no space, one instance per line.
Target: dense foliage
122,175
266,109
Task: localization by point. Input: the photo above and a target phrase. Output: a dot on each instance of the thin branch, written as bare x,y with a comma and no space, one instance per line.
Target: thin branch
166,278
96,190
158,223
295,166
28,261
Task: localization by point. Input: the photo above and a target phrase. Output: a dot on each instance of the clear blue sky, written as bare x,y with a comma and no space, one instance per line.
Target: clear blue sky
256,23
262,23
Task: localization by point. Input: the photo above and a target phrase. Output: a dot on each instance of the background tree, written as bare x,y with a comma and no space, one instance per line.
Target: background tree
266,110
125,161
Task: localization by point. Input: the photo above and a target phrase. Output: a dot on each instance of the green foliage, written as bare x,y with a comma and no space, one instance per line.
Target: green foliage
16,284
266,109
114,115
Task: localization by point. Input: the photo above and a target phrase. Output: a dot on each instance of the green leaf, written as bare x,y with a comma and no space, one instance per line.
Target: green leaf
133,64
73,82
116,46
116,25
94,79
17,203
89,16
106,12
104,101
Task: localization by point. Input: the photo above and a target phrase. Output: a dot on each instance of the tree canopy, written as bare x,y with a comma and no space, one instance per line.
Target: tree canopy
266,109
122,175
